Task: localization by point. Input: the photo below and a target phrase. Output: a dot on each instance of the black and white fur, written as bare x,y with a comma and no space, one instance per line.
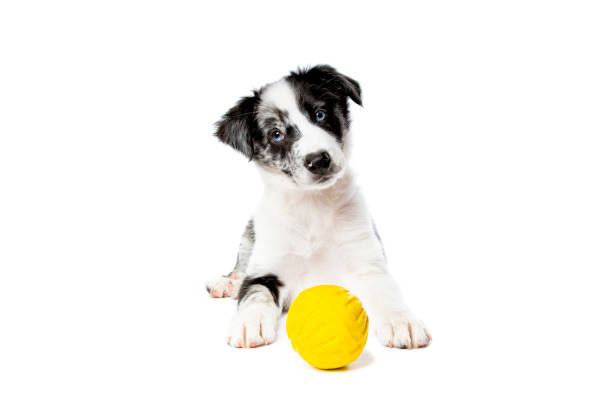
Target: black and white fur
312,226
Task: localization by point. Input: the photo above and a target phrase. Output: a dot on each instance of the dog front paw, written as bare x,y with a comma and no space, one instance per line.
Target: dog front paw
402,330
225,286
253,327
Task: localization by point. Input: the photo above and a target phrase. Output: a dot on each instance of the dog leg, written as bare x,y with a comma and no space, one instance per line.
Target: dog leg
256,322
394,324
229,285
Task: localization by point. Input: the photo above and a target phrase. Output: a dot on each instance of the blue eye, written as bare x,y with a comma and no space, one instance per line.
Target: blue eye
277,136
319,115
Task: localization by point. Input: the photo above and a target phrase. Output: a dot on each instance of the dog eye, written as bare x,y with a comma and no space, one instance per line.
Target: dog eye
320,115
277,136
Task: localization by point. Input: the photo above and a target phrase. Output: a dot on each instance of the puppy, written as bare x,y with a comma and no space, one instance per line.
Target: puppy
312,226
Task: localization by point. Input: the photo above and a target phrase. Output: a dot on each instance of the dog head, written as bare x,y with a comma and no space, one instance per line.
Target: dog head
295,129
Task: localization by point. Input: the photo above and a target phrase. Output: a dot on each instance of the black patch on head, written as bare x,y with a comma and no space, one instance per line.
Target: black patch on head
238,127
270,281
247,128
328,79
323,88
249,133
268,152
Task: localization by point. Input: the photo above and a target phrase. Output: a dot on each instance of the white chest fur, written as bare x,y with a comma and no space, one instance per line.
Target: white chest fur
300,234
304,223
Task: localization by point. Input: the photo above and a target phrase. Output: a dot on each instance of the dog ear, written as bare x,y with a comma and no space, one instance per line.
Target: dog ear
237,127
328,76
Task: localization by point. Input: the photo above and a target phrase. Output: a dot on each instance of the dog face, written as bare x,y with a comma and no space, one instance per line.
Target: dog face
295,129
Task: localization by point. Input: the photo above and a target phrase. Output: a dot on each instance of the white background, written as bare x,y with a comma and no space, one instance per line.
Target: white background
483,148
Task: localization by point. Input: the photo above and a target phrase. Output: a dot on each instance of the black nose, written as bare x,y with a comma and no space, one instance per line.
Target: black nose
318,163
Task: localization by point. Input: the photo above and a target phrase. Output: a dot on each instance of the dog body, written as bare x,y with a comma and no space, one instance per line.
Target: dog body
312,226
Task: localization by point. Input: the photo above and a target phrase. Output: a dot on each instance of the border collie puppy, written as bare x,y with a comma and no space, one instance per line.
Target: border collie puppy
312,226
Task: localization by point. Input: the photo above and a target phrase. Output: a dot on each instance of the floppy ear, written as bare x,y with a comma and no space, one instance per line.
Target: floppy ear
237,127
330,77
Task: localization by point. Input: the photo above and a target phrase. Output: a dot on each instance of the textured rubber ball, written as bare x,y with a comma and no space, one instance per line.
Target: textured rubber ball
327,326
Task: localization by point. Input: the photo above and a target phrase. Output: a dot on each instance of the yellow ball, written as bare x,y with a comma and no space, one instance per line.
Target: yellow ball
327,326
